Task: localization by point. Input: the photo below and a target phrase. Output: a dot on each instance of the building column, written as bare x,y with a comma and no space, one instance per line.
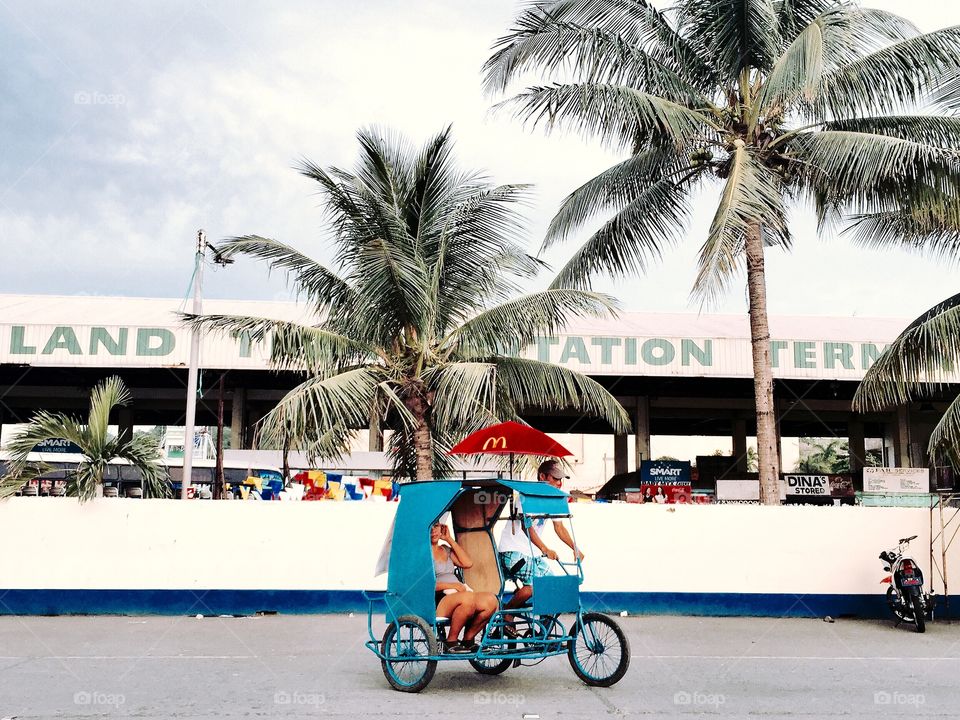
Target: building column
857,444
740,444
901,437
125,423
641,426
620,458
238,411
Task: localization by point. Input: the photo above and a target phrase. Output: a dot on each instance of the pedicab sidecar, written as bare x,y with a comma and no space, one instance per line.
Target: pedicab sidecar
409,649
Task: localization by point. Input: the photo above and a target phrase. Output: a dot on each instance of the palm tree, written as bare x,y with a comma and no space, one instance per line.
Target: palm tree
96,444
920,364
830,456
778,102
420,324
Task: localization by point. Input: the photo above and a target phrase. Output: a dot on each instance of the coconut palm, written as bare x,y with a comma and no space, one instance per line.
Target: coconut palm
920,364
419,325
778,103
96,444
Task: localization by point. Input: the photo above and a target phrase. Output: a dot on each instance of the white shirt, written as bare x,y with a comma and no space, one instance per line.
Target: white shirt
514,539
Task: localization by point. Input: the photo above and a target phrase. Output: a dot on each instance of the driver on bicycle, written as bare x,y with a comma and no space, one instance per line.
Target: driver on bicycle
514,546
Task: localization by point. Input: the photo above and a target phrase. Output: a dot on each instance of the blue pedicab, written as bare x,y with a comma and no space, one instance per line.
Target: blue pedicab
409,649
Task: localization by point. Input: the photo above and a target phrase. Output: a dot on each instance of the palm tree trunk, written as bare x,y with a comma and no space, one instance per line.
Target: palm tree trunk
768,454
419,407
423,442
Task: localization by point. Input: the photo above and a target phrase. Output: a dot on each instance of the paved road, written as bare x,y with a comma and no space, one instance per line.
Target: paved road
316,666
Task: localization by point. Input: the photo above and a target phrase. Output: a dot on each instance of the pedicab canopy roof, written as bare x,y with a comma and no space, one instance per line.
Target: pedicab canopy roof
411,581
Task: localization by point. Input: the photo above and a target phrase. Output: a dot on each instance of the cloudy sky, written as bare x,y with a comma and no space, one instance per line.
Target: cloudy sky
125,126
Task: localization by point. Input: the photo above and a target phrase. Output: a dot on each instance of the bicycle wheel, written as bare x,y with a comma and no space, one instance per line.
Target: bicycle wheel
491,666
405,644
599,652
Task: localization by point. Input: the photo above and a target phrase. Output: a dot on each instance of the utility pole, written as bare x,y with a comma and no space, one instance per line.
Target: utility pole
194,365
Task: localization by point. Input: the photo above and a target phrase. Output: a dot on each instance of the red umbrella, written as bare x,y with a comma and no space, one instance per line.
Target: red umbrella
509,438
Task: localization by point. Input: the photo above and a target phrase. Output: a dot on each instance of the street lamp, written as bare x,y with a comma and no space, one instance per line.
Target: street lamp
192,374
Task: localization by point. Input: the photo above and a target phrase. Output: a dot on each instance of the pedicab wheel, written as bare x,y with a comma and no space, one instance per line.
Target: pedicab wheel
599,652
405,644
491,666
918,614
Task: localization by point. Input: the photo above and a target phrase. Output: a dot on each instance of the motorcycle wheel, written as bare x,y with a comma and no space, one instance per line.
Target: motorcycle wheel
919,613
896,607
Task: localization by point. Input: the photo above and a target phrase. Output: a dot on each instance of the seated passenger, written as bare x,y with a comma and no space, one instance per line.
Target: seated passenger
515,546
467,610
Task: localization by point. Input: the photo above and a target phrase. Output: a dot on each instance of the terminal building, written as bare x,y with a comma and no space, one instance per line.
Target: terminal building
677,374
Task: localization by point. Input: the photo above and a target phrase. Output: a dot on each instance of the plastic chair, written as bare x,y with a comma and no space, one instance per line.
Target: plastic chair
366,486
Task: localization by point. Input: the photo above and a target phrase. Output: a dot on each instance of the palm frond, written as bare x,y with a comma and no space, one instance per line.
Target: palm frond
946,434
519,322
143,452
597,54
532,384
930,227
541,30
461,391
324,288
104,397
899,76
736,35
43,426
293,346
322,404
12,483
620,117
858,170
613,189
799,70
922,359
633,238
752,195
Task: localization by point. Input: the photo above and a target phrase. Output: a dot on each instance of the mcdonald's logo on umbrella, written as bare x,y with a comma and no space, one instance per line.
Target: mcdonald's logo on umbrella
492,444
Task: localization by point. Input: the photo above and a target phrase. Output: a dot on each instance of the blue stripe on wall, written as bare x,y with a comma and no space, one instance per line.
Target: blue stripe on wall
249,602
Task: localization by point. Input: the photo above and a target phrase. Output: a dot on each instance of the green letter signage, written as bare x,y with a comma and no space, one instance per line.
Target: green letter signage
62,338
16,342
100,336
147,344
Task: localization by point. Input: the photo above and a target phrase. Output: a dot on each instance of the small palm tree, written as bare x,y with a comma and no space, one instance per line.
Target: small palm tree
419,327
778,102
831,456
96,444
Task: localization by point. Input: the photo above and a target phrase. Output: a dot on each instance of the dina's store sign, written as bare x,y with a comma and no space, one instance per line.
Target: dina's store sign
809,485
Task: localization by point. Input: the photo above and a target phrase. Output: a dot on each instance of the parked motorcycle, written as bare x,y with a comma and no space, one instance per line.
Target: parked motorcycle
905,596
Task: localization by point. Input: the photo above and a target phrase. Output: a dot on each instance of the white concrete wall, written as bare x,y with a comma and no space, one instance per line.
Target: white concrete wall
56,543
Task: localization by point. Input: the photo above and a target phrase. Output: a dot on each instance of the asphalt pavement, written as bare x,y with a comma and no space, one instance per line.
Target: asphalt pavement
317,666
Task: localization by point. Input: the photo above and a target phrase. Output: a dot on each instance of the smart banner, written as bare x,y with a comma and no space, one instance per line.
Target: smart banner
911,481
665,481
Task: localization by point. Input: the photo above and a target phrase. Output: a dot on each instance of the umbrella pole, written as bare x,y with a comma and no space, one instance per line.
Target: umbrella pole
511,466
